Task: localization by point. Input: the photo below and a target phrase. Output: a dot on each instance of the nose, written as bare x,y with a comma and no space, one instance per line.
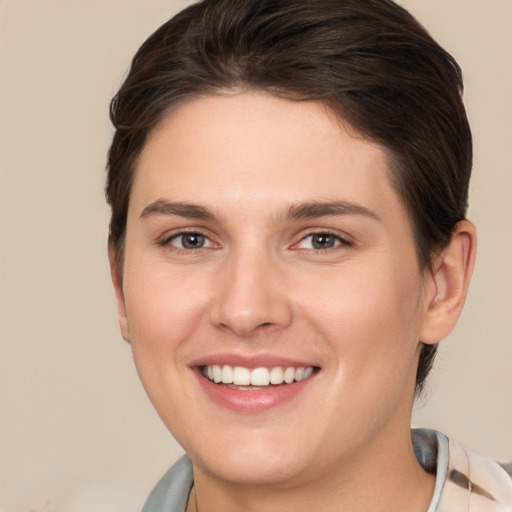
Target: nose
250,295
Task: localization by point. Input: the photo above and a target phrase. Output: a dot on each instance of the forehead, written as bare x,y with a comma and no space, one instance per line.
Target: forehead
255,150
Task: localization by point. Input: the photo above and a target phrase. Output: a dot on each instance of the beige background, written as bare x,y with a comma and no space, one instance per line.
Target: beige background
77,432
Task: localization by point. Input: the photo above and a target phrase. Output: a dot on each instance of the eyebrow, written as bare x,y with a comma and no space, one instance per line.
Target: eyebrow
299,211
188,210
315,209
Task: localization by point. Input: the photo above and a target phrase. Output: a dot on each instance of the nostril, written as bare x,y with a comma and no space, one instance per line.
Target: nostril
246,308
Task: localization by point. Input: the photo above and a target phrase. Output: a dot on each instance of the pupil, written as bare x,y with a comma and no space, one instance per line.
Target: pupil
193,241
323,241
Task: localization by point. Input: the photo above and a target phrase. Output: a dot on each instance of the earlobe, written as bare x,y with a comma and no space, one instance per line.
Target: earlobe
449,284
118,288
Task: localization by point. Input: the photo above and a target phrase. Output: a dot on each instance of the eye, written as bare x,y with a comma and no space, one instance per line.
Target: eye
321,241
189,241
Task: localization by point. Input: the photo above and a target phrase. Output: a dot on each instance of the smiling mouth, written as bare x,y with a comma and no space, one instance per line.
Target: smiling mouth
239,377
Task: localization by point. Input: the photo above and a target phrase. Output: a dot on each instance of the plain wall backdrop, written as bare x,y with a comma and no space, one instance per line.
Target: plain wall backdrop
77,432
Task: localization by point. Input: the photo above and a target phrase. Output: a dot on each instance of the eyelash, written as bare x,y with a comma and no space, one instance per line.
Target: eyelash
166,241
339,241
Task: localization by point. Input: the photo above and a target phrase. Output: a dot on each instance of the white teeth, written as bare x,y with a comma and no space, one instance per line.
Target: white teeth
217,373
227,374
241,376
258,377
276,375
299,374
289,375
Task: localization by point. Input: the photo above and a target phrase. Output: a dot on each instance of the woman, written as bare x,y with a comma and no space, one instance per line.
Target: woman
288,244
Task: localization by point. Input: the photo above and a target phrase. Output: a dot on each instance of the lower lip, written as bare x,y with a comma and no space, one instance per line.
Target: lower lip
251,401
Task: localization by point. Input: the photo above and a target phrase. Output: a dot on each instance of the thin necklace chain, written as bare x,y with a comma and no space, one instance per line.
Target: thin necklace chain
196,506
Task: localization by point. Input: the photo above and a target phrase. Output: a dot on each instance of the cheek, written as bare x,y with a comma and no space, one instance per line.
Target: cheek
164,313
164,308
370,318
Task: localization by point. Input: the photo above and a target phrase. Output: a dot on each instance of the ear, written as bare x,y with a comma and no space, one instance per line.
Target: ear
118,288
447,287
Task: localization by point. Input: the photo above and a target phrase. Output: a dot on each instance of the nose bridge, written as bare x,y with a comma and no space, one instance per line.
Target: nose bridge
249,294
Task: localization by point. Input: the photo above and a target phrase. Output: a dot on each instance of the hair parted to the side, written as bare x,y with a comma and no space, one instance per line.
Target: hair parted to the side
370,62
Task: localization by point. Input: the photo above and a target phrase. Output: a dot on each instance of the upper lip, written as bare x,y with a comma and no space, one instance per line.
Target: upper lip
251,361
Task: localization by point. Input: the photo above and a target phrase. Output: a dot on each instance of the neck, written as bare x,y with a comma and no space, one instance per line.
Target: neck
380,480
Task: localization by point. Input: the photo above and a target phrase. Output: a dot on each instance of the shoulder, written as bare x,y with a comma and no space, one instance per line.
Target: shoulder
173,489
465,480
481,482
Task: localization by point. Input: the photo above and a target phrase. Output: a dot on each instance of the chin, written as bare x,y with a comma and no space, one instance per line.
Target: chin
257,463
246,469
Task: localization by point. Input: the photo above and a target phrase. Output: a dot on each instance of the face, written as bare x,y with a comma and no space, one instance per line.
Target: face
271,292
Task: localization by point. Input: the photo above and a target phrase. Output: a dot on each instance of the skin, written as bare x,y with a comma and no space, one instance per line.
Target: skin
356,309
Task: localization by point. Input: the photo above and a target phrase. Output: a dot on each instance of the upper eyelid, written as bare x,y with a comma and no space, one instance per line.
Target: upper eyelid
186,230
345,237
166,237
168,243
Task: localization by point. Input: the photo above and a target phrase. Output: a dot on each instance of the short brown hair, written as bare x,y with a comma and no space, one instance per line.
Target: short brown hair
370,61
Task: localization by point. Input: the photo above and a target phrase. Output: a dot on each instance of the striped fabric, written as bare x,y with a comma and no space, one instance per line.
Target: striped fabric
465,481
475,483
